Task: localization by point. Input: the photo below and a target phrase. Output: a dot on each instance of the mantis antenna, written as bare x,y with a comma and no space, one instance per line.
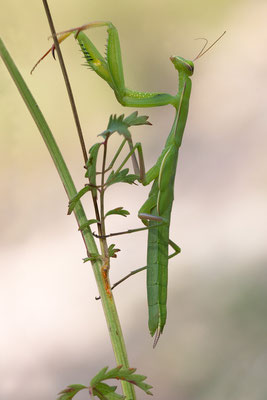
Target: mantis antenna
202,52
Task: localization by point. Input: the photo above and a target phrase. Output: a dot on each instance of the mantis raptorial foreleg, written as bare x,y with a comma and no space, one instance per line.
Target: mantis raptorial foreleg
162,174
110,68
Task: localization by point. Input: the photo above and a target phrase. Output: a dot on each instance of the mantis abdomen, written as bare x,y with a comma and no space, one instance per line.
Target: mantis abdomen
157,276
158,241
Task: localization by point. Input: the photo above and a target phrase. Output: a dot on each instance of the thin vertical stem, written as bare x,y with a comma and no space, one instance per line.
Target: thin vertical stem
108,303
66,79
71,99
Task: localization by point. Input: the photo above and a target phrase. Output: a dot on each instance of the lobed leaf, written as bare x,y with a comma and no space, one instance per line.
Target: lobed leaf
70,391
88,223
112,251
122,176
76,198
91,165
103,391
118,211
106,392
120,124
119,373
93,257
133,119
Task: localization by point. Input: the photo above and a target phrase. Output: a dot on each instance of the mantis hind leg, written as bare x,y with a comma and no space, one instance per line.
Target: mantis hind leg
160,319
136,271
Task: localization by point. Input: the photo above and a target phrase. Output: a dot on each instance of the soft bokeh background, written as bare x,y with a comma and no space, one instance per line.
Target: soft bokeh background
53,332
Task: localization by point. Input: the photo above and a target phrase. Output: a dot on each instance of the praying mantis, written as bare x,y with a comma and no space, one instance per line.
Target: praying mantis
156,211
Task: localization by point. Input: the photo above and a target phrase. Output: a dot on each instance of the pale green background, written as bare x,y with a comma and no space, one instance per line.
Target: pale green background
53,332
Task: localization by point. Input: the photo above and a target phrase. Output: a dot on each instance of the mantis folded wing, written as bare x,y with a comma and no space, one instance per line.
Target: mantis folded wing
159,203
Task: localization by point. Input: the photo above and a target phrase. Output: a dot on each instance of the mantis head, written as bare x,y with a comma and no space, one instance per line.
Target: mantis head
182,65
187,67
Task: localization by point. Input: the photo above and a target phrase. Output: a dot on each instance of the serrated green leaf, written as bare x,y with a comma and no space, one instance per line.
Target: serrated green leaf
77,197
133,119
88,223
114,372
123,176
91,163
138,380
118,211
104,388
70,391
120,124
98,377
106,392
94,257
112,251
120,373
130,178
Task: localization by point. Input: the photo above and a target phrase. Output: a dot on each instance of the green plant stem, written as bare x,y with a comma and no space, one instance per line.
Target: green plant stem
106,296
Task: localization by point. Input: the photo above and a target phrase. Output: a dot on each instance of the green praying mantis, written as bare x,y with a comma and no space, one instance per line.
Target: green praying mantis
156,211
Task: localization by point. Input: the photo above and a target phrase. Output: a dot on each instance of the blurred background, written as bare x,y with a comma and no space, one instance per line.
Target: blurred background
53,332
